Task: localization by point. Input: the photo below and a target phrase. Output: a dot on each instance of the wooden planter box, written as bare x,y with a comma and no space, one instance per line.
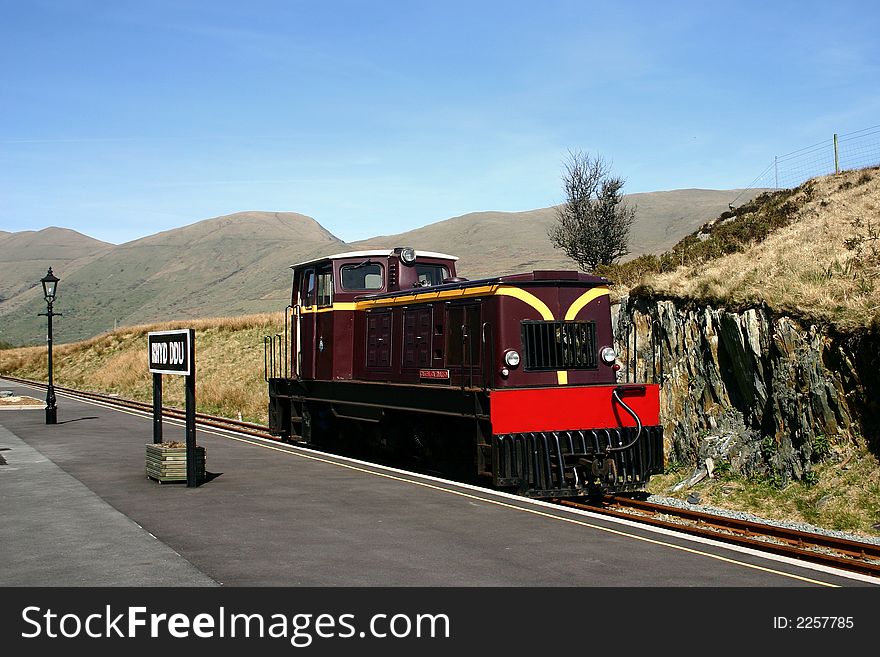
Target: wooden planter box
167,462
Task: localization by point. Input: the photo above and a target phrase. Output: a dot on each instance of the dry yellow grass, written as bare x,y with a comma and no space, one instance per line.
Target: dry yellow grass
845,497
825,266
229,364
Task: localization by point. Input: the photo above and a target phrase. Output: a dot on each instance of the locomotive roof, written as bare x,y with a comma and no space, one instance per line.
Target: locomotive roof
377,253
532,279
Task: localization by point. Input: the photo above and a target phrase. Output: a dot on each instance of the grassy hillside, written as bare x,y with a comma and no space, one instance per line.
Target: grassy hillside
495,243
230,265
812,252
229,362
26,255
238,264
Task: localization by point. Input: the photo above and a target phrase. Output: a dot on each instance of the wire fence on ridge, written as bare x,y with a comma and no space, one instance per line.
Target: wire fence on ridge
854,150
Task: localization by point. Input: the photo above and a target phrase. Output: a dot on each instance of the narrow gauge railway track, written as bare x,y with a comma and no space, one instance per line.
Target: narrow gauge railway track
176,413
845,554
842,553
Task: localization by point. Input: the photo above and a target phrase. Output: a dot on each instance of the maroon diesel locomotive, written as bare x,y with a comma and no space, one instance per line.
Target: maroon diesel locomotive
509,380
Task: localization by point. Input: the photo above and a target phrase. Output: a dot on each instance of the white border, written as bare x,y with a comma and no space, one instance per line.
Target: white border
189,351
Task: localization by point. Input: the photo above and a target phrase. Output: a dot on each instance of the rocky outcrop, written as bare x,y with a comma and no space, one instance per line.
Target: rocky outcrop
767,393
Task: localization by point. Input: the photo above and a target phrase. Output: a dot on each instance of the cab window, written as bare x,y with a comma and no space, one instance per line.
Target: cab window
431,274
307,288
361,277
325,286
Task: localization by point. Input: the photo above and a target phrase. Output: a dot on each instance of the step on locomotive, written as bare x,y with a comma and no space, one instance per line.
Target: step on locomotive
509,380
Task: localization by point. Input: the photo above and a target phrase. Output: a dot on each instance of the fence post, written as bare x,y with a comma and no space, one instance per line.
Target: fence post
836,156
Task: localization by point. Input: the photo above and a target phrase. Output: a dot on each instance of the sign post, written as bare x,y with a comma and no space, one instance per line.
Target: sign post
157,409
174,352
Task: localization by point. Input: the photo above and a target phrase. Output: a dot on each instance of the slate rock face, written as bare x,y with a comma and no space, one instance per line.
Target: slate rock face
766,392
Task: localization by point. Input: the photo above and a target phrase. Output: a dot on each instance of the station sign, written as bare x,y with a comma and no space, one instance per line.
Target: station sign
171,351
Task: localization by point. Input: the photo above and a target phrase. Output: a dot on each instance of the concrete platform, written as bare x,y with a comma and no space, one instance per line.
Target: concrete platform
57,532
79,510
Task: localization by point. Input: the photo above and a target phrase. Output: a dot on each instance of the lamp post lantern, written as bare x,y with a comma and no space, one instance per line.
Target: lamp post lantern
50,289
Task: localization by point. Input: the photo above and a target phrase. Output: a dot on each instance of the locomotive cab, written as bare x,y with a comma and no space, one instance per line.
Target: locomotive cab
323,302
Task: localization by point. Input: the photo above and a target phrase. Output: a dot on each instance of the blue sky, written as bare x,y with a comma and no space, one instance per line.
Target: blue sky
123,118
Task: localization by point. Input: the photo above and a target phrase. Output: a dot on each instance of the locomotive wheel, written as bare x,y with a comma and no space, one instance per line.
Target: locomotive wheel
442,446
398,439
319,425
356,438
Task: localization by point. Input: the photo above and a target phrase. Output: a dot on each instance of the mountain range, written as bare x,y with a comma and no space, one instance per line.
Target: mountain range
239,263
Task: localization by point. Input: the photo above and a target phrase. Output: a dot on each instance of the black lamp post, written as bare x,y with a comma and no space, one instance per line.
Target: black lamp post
50,288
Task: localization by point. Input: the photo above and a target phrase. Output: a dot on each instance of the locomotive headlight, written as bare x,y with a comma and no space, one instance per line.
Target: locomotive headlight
408,255
608,355
511,357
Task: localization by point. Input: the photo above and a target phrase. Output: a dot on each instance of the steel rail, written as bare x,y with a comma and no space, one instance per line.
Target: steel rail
842,553
167,411
849,547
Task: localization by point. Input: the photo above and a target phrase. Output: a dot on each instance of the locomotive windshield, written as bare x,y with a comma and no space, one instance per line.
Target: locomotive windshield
366,276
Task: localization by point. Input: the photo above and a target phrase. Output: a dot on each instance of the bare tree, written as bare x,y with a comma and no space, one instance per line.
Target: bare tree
593,224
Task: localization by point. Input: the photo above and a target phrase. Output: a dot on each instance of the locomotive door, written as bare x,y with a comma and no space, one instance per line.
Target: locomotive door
417,337
463,341
322,347
379,339
305,332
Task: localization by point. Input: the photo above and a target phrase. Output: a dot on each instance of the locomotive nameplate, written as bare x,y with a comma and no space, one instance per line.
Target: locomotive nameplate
170,352
433,374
